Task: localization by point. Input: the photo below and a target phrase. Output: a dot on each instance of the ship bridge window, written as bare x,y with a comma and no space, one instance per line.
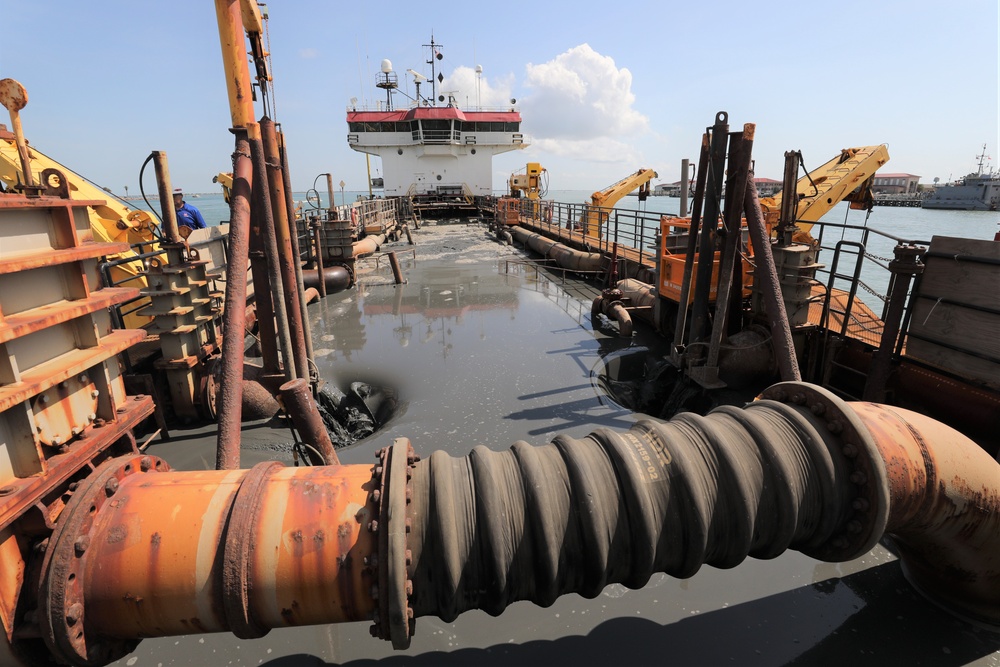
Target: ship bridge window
489,127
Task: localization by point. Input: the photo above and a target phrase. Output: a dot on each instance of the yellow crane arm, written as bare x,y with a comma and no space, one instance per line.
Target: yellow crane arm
609,196
831,183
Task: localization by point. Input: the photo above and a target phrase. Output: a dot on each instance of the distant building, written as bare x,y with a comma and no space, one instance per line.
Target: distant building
895,184
766,187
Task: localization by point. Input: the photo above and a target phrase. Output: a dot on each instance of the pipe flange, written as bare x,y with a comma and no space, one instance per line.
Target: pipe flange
869,508
60,597
241,537
394,619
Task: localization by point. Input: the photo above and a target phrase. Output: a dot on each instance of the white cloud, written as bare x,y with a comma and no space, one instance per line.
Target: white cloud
596,149
469,92
581,95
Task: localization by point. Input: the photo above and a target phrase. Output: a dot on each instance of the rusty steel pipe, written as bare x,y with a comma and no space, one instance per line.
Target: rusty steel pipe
14,97
291,292
167,211
336,278
317,227
944,501
769,285
368,245
397,272
298,400
905,265
286,181
241,551
329,192
269,246
230,396
270,547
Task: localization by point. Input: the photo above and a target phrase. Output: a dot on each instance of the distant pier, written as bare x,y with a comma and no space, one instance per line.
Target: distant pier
899,200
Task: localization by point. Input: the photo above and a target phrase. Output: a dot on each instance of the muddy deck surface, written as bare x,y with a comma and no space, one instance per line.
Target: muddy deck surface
484,350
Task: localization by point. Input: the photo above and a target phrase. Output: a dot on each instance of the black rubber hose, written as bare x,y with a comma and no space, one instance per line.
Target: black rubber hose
534,523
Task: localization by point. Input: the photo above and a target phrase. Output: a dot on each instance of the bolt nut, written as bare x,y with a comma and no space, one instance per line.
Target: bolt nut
798,399
859,477
43,398
378,471
95,393
409,558
817,409
860,504
84,379
849,450
780,396
839,542
854,527
409,587
111,486
835,426
376,495
373,526
81,545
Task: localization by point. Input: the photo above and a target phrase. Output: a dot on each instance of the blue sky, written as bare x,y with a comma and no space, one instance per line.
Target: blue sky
604,88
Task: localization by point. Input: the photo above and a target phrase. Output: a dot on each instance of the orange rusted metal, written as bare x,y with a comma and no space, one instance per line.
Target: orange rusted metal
944,500
245,550
143,551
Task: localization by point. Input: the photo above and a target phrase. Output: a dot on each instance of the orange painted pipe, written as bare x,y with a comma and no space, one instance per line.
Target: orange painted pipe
161,568
944,508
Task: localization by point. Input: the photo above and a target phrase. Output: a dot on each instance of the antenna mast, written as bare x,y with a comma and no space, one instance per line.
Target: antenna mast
435,55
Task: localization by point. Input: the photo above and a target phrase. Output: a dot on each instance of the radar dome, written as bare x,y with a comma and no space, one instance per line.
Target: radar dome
386,66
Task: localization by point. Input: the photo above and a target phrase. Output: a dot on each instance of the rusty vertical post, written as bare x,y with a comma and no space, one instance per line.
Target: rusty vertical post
297,398
741,147
767,281
269,245
296,356
167,211
789,200
397,273
266,319
329,191
709,227
230,397
905,265
692,245
317,226
14,97
685,186
286,175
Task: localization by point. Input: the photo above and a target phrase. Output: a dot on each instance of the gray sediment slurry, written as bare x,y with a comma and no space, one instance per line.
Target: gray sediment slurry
484,349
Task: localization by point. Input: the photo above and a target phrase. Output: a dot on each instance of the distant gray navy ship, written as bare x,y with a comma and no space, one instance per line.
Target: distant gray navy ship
976,192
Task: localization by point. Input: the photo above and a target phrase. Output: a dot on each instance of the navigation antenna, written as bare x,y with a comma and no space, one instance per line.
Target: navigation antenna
387,81
435,78
982,156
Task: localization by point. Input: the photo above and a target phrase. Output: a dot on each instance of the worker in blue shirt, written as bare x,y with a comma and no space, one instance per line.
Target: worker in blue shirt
187,215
